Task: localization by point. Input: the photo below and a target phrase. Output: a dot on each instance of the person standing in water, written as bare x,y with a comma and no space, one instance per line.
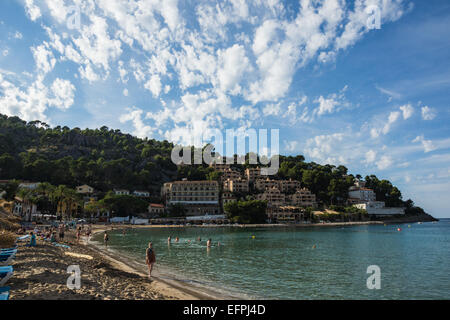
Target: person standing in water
169,239
150,259
208,243
106,239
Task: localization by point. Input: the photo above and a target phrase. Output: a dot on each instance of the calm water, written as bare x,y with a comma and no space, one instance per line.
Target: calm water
281,263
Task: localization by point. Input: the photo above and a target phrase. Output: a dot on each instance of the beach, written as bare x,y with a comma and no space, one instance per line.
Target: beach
40,273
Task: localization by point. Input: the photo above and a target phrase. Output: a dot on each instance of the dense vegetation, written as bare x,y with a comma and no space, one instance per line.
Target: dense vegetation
106,159
252,211
102,158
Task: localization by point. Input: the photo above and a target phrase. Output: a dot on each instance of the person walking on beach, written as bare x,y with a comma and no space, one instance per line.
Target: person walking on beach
78,234
61,232
106,238
150,259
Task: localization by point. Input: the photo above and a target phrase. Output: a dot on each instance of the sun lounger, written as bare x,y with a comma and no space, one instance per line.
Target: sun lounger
61,245
8,249
22,238
4,293
5,274
6,258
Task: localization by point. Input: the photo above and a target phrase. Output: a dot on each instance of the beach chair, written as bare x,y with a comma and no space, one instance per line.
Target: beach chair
8,249
6,258
4,293
5,274
23,238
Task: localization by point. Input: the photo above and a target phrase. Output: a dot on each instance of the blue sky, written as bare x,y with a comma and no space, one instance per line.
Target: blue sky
340,92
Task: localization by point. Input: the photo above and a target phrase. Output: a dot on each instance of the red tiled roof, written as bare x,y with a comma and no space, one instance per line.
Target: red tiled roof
156,205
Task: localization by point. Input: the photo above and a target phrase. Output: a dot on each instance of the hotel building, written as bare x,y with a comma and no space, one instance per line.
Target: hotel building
198,197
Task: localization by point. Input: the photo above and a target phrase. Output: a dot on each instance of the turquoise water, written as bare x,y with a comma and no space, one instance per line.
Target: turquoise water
281,263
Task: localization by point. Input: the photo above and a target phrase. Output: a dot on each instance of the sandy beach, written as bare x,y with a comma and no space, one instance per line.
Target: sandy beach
41,273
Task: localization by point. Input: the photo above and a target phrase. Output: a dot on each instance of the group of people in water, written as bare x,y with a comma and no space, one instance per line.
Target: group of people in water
208,243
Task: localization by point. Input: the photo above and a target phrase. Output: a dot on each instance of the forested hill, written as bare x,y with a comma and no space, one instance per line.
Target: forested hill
107,159
103,158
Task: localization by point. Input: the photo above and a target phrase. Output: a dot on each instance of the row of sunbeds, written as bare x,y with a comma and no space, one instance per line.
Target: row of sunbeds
6,270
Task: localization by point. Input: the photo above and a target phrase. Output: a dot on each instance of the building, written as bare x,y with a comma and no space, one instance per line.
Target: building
29,185
263,184
67,208
155,209
220,164
230,174
360,195
273,196
236,185
85,189
24,208
285,214
377,208
289,185
252,174
303,198
139,193
121,192
227,197
360,183
198,197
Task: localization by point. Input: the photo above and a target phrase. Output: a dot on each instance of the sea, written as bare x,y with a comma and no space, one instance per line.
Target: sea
405,261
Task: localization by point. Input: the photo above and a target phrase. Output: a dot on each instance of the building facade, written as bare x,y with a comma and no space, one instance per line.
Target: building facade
273,196
236,185
303,198
198,197
84,189
156,209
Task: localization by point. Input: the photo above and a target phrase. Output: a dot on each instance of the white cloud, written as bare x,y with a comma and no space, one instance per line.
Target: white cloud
135,116
370,156
64,93
18,35
45,61
428,113
30,102
32,10
291,146
272,109
385,162
233,64
427,144
125,92
407,111
154,85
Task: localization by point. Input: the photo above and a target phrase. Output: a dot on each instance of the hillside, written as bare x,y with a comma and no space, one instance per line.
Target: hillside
105,159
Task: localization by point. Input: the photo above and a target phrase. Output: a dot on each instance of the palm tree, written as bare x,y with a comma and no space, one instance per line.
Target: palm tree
64,196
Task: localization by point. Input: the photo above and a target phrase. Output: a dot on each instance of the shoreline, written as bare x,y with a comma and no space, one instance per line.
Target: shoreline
184,290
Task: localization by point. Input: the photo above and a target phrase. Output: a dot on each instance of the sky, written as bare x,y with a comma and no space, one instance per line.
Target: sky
340,88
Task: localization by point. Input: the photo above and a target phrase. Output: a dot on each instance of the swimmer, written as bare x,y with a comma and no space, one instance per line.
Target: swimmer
177,239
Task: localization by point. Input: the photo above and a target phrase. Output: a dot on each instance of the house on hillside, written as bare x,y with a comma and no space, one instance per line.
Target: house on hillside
85,189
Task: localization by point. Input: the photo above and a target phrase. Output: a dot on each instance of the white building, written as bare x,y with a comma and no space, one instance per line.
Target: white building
358,195
121,192
29,185
378,208
139,193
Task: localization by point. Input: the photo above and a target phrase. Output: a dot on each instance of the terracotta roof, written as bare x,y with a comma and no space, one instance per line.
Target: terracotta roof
156,205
